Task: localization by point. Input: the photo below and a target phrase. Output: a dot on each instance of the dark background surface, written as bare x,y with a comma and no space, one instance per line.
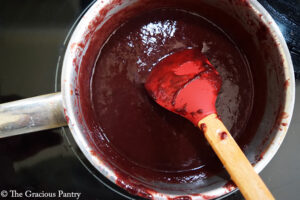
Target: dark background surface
287,15
32,34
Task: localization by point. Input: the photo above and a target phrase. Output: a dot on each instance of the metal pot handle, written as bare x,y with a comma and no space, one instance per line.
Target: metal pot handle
32,114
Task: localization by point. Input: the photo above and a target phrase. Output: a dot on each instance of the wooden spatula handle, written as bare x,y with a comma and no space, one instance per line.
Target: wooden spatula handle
237,165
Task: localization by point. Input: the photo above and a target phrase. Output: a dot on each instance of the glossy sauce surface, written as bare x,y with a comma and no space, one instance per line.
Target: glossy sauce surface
152,142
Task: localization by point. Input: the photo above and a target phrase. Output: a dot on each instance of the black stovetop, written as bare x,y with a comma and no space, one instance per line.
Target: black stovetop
287,15
32,36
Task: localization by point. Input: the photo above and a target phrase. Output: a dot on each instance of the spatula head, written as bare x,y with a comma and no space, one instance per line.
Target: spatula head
185,83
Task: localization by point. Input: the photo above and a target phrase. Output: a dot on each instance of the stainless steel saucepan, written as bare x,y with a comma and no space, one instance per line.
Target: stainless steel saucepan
63,108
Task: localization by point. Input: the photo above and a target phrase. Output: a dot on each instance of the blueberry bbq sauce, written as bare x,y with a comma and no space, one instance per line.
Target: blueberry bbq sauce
136,135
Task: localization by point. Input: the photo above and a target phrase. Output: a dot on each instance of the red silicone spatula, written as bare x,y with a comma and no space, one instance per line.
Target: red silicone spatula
187,84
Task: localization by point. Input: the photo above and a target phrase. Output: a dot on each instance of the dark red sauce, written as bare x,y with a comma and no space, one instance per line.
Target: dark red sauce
203,127
230,185
181,198
144,139
144,143
223,135
286,84
66,116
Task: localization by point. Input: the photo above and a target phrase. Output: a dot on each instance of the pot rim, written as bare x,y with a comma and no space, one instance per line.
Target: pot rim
69,76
